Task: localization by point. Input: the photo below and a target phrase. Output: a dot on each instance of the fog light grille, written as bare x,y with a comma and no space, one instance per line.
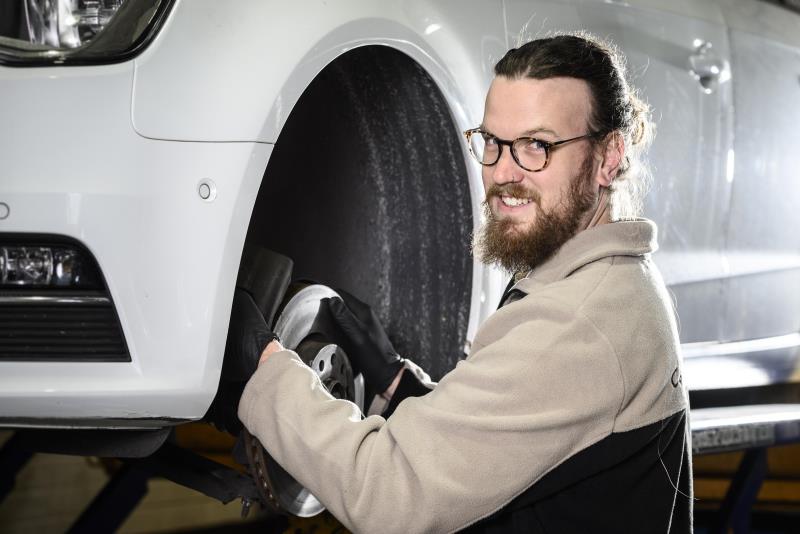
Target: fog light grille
60,331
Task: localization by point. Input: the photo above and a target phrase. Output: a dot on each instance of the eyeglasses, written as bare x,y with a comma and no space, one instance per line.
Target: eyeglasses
530,153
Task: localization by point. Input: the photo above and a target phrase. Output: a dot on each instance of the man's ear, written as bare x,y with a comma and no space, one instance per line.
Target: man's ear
612,156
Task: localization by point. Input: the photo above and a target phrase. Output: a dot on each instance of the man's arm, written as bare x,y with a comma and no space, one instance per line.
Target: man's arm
493,426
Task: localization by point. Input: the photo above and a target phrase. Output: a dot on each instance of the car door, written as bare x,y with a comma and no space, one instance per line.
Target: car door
762,317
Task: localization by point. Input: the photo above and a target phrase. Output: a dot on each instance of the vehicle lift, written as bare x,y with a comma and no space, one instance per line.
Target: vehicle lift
145,454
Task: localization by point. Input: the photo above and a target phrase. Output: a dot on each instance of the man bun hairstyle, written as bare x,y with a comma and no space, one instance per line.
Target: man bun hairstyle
616,107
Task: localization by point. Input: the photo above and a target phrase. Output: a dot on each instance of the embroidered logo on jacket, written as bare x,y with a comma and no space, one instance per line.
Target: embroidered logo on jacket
676,377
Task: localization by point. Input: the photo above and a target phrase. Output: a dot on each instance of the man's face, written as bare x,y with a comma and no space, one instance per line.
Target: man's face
529,215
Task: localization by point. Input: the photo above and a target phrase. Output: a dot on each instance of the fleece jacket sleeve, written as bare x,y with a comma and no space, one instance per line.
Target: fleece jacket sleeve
511,412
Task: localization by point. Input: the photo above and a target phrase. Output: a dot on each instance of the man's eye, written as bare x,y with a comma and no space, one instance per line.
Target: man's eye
489,140
532,145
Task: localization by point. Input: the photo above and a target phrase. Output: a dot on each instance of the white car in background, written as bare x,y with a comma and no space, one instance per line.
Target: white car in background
144,142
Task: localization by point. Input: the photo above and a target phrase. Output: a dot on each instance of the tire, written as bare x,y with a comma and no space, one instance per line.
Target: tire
367,190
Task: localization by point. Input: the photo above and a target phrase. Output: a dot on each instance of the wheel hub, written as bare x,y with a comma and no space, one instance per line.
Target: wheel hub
299,329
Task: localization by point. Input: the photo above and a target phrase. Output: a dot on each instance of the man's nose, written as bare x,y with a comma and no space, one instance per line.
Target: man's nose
506,169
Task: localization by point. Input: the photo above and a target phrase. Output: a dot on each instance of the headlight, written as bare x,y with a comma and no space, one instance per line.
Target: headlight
41,32
67,23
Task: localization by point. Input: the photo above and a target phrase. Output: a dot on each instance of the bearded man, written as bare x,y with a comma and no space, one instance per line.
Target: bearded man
569,414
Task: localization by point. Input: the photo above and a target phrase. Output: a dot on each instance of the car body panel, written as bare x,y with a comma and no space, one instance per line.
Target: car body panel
763,245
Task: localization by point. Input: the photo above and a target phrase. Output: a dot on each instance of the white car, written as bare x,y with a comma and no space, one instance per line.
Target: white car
144,142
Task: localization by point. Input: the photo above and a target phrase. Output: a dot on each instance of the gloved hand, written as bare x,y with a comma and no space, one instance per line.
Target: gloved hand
248,336
363,338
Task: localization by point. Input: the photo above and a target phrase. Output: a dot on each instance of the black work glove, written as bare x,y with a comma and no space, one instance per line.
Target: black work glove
364,340
248,336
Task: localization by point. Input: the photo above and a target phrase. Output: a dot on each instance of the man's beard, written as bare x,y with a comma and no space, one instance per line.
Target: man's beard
516,250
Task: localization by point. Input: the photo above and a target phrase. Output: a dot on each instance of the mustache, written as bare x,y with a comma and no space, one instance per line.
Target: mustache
514,189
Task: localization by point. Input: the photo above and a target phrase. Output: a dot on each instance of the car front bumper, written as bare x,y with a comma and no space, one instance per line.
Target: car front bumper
74,166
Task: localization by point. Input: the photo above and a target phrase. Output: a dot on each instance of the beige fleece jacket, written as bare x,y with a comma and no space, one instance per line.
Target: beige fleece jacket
591,350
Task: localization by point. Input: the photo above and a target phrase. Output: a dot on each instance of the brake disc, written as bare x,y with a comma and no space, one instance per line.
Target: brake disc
298,329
